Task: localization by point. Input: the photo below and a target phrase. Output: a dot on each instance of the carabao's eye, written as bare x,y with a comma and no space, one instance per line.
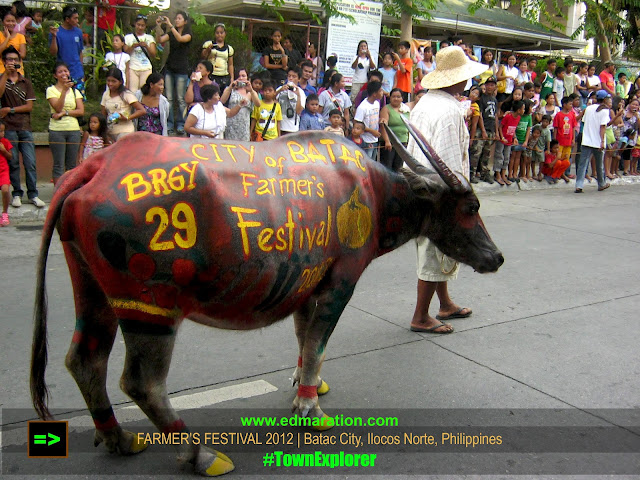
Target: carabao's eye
473,209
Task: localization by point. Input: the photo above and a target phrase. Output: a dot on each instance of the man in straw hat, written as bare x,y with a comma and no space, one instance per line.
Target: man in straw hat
440,117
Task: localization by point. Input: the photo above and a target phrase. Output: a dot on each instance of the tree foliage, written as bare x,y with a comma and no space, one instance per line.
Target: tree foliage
416,9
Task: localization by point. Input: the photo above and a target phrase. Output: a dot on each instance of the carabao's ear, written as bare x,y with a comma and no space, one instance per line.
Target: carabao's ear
422,186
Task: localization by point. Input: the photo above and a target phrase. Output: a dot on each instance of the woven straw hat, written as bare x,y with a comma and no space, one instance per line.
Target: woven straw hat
452,66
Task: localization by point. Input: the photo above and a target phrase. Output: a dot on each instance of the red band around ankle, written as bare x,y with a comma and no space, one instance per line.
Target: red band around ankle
308,391
177,426
300,362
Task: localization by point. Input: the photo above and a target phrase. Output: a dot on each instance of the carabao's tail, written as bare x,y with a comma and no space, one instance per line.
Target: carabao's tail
39,391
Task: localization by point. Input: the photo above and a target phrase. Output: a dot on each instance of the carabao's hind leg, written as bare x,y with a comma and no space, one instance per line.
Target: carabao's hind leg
96,327
302,319
331,302
149,349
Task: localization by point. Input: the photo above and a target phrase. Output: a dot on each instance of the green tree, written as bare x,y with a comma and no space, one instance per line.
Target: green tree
406,10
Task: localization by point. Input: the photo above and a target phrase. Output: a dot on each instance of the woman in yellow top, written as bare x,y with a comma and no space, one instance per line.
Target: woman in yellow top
9,37
220,54
64,131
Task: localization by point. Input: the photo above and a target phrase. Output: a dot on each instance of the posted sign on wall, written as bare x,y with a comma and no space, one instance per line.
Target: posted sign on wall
343,36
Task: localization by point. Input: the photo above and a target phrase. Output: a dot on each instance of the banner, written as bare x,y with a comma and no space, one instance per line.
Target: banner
343,36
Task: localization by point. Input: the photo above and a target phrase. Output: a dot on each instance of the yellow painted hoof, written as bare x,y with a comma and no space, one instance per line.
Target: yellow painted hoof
223,457
137,445
323,388
220,466
324,423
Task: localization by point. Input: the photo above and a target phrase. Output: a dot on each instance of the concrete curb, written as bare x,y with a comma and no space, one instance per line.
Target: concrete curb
28,213
486,188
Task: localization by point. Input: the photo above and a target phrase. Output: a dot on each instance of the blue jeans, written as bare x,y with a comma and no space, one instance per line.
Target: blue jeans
175,87
22,142
585,156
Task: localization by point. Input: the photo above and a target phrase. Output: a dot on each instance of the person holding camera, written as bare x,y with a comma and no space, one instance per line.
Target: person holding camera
64,131
291,99
17,97
66,44
361,66
176,74
240,92
200,77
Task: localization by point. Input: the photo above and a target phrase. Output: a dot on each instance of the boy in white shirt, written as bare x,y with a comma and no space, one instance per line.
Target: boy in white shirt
368,112
292,100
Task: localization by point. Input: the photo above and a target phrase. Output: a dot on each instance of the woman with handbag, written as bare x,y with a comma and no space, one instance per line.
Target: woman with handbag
142,48
64,131
507,77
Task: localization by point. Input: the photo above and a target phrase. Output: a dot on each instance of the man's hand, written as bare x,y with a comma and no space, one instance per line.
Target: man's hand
4,111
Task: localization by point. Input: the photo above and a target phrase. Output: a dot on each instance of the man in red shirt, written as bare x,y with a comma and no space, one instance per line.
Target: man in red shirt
564,127
107,16
607,81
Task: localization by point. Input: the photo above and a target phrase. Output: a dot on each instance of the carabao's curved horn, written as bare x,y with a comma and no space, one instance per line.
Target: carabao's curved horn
413,164
449,177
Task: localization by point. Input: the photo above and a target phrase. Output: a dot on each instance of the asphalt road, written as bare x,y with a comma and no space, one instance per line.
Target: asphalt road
553,340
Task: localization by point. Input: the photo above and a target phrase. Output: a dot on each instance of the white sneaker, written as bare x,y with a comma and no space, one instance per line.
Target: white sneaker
16,202
37,202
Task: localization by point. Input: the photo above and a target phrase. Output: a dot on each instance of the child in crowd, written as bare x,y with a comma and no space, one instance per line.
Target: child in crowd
554,167
266,117
558,85
311,118
518,169
118,58
404,67
256,84
368,112
537,88
36,19
533,154
547,78
5,182
388,73
335,117
476,127
544,142
564,125
95,138
507,137
623,86
356,133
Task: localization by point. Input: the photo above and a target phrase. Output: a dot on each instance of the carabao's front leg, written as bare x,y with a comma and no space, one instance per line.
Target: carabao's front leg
331,302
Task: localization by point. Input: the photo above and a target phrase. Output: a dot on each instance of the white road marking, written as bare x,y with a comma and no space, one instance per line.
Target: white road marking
183,402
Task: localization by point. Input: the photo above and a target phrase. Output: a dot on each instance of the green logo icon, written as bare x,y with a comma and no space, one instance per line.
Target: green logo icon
42,439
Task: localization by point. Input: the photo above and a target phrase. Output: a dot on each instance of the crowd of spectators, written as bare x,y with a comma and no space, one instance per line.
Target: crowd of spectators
523,126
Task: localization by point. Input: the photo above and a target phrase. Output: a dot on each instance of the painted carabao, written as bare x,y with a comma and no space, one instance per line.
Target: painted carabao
231,235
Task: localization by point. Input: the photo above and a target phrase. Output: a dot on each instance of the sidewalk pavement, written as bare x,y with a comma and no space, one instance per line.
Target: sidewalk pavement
28,213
